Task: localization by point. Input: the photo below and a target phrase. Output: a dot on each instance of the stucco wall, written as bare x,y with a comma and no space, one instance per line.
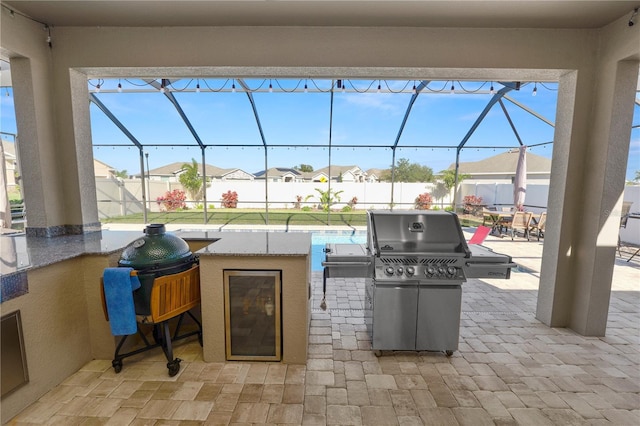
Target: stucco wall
296,312
55,329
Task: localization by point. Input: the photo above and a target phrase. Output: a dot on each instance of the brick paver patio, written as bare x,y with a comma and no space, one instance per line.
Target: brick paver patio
510,369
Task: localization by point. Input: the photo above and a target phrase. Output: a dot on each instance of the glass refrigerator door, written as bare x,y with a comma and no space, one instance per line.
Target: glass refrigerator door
253,315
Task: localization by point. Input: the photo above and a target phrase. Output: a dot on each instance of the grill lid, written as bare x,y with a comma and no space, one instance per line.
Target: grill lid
409,232
156,248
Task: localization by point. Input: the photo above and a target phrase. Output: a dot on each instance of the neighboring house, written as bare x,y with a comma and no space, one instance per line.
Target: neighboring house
280,174
339,174
103,170
373,175
171,173
10,163
501,168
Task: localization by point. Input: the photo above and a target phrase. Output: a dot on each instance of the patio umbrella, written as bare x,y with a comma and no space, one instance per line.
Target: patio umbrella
5,207
520,182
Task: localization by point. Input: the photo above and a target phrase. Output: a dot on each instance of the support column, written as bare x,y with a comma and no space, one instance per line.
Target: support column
35,143
85,186
585,197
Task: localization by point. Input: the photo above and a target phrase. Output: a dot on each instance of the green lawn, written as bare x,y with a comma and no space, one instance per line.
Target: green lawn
258,217
249,217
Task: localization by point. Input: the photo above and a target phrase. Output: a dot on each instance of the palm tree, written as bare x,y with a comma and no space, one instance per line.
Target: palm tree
449,178
191,180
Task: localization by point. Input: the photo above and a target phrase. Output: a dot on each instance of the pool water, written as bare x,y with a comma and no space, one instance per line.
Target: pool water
320,239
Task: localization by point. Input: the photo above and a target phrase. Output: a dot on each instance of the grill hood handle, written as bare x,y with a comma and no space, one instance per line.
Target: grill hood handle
487,265
346,263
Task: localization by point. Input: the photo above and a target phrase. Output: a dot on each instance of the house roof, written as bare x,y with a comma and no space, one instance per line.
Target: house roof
9,149
504,163
278,171
107,166
174,168
335,170
375,172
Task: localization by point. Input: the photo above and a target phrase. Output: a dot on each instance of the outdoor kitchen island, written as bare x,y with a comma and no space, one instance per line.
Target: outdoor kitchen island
281,258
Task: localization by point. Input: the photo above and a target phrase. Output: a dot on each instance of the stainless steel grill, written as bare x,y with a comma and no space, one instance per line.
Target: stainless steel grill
415,263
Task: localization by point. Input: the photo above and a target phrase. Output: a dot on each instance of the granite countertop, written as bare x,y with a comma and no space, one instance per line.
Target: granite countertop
20,253
258,244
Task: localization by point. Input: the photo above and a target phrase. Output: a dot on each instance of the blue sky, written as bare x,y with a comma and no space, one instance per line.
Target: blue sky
371,119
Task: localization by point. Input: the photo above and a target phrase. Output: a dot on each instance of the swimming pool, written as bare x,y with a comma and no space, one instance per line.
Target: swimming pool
320,239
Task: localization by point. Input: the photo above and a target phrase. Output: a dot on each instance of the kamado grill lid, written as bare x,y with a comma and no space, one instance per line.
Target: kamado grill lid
156,248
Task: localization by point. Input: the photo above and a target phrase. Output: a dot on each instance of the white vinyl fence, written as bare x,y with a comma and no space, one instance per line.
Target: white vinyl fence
501,195
283,195
122,197
118,197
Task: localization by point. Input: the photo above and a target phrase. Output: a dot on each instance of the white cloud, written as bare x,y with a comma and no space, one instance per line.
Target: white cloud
379,101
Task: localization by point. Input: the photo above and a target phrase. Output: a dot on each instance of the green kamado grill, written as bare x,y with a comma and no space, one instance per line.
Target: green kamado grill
155,254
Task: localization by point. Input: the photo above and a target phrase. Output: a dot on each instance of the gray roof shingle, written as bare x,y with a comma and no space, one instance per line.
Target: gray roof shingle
504,163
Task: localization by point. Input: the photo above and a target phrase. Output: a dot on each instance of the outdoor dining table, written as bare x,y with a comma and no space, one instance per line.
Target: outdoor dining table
496,220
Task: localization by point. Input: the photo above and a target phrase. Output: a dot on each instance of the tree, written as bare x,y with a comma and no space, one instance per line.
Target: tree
637,178
405,171
449,178
303,168
122,174
191,180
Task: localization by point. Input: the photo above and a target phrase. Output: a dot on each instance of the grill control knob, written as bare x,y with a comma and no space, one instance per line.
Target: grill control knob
400,270
441,270
410,270
451,270
389,270
430,270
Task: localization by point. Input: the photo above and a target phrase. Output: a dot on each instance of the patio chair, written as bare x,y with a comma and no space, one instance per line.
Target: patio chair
538,225
479,235
521,221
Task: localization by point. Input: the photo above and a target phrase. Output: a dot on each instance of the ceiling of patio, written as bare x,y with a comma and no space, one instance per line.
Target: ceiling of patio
416,13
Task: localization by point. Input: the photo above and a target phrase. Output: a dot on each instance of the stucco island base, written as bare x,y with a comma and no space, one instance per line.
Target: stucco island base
286,252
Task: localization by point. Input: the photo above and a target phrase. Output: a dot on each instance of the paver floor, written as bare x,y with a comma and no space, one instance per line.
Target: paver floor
510,369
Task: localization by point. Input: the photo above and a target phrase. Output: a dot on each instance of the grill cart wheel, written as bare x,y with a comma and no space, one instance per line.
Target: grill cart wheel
377,353
117,365
174,367
448,353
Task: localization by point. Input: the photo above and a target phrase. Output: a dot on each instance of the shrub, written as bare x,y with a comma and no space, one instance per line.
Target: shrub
172,200
448,209
298,202
230,199
327,198
423,201
472,204
352,203
346,209
306,209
